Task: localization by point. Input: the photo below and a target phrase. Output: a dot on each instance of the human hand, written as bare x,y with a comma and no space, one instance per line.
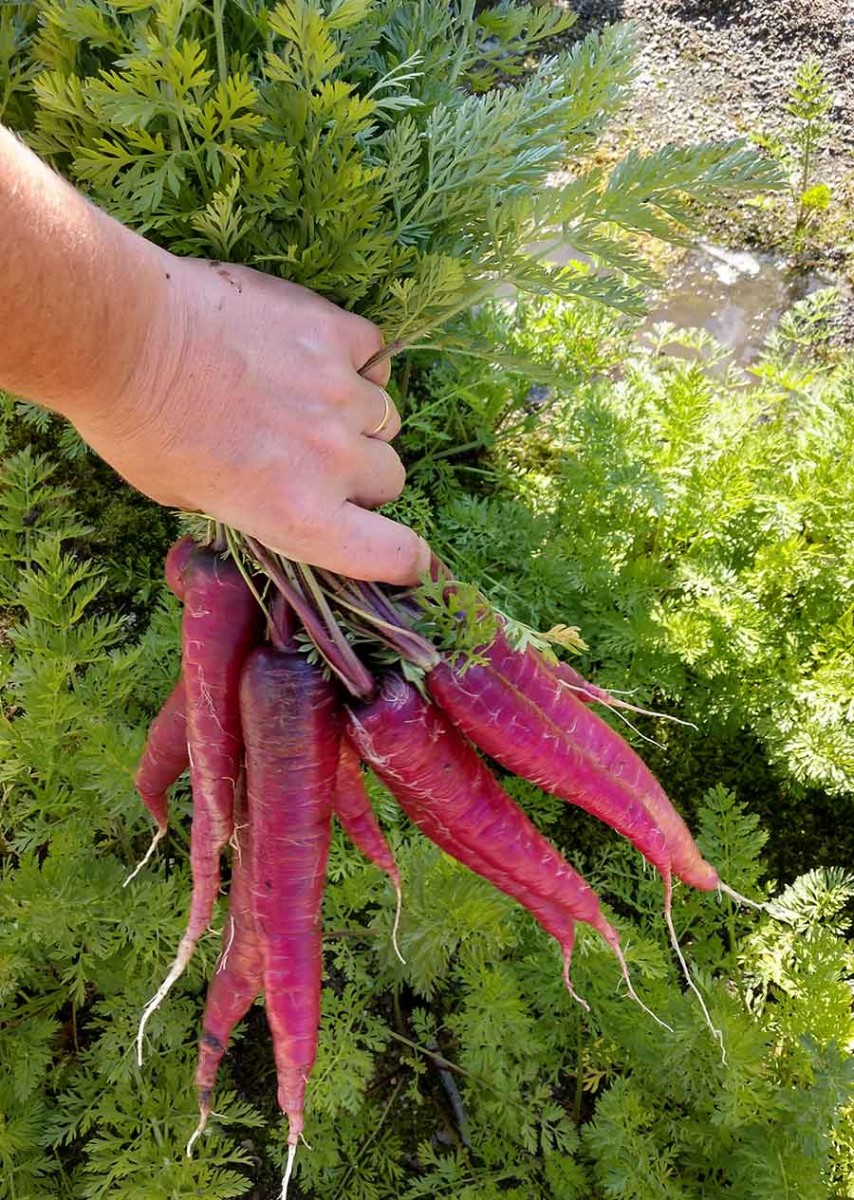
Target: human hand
246,404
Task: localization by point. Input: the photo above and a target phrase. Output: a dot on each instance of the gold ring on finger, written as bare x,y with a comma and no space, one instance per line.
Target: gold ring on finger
389,409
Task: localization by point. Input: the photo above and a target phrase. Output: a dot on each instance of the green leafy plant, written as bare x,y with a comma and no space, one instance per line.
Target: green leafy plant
557,1102
810,101
695,527
364,149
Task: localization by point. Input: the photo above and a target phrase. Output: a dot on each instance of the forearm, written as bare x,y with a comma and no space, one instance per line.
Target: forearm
77,289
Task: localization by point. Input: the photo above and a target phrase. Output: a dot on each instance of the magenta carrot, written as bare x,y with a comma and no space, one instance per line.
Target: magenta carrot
513,730
291,731
221,622
353,809
237,979
444,787
165,756
177,558
613,756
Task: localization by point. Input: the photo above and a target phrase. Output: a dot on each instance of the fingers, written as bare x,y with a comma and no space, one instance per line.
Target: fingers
379,476
366,344
373,412
369,546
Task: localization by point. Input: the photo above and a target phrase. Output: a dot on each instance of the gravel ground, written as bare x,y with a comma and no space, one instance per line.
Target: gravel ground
724,68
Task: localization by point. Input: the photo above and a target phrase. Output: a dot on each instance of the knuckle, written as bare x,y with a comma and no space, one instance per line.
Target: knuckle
336,443
335,386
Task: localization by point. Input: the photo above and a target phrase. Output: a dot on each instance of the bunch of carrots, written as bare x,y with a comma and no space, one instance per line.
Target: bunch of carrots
274,713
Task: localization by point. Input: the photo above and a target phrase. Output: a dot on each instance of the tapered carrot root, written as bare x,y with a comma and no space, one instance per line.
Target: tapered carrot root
165,756
534,678
290,721
164,759
237,979
353,809
506,724
447,790
221,622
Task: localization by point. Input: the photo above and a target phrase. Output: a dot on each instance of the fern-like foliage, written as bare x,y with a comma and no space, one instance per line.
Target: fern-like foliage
365,150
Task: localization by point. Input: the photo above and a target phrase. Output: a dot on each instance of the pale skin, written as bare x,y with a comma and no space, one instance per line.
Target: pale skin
208,386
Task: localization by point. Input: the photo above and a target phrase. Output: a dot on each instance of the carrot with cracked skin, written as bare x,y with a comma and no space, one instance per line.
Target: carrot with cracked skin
237,979
290,715
221,622
447,790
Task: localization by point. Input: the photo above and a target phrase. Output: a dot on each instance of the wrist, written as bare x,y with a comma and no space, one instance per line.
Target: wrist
109,389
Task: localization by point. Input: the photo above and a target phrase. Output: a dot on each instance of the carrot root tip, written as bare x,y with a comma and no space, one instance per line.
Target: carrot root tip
674,941
624,967
159,835
573,993
200,1128
396,926
185,953
725,889
289,1169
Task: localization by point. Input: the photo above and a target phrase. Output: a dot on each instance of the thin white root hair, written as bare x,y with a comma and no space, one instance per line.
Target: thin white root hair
643,736
396,927
289,1170
674,941
200,1129
159,835
568,982
759,905
304,1142
185,953
624,967
616,703
223,958
234,842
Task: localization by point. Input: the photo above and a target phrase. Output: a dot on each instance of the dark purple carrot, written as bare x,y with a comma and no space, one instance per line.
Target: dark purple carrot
447,790
165,756
237,979
556,742
352,807
221,622
291,732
